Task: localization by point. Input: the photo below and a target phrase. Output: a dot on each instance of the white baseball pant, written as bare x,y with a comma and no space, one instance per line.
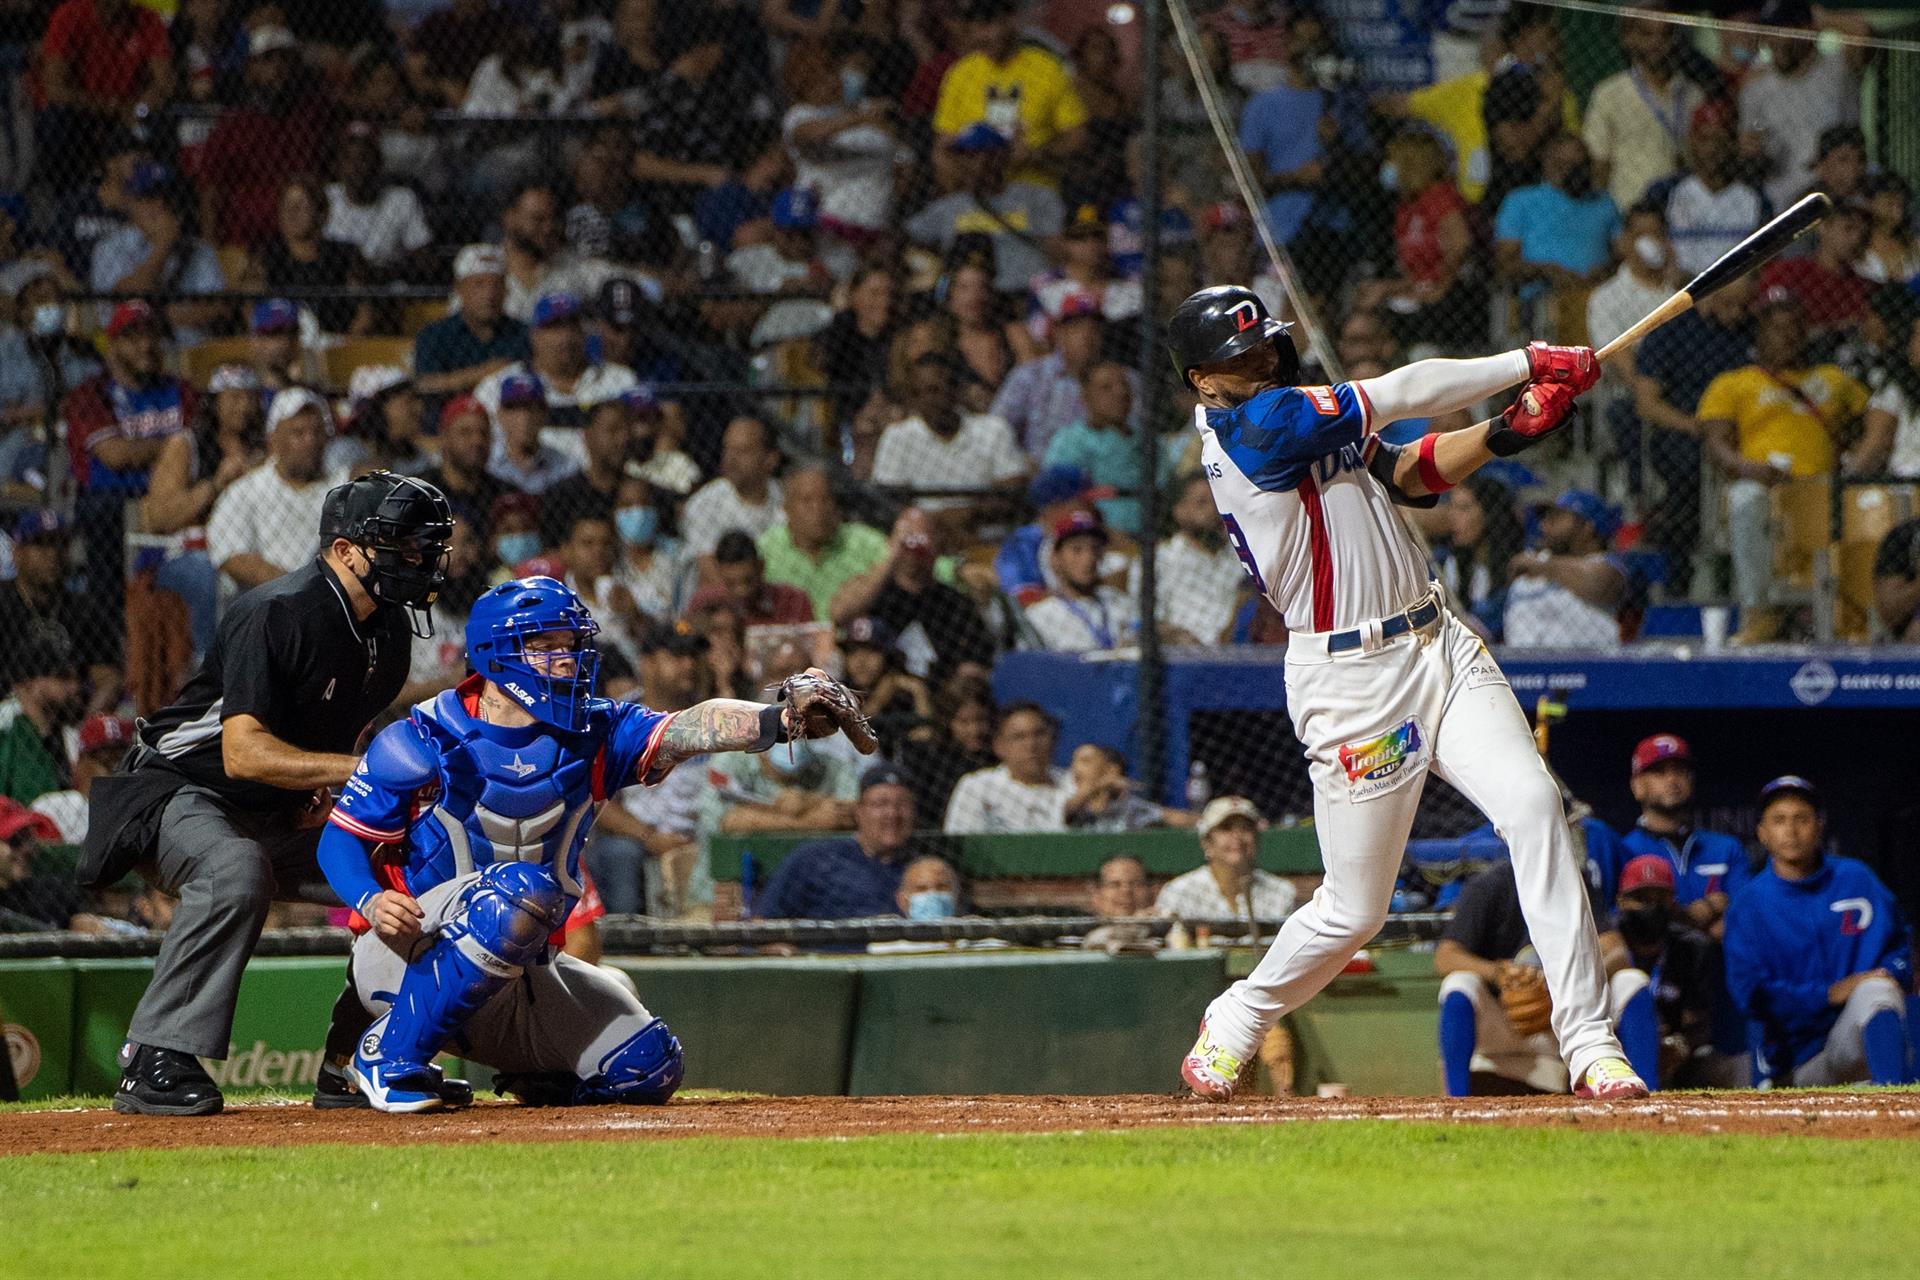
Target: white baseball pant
1843,1059
1373,721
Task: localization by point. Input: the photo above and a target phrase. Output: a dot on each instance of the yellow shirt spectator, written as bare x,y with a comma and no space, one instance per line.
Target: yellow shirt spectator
1768,418
1029,98
1457,108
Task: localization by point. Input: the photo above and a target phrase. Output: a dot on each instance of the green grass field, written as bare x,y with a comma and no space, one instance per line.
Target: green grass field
1368,1199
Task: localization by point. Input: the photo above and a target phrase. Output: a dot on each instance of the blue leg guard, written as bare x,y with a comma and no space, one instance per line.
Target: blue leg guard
1457,1038
1639,1030
501,927
644,1068
1885,1040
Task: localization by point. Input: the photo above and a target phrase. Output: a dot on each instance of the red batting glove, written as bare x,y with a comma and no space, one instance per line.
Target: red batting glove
1571,366
1537,413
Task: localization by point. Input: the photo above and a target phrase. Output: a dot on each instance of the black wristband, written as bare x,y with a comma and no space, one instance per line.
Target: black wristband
773,729
1503,441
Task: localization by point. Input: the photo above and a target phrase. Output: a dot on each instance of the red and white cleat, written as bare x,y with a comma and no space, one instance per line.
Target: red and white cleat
1611,1080
1209,1070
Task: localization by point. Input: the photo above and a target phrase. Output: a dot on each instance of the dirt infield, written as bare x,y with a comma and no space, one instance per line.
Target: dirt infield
1829,1115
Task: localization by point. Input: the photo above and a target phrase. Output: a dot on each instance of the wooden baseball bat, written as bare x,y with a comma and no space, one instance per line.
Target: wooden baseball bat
1763,244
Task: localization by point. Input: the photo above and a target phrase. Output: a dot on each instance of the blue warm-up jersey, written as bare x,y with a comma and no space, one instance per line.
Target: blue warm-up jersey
442,793
1788,941
1703,862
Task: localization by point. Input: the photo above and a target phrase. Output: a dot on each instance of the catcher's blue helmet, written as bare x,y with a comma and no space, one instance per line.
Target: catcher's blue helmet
504,619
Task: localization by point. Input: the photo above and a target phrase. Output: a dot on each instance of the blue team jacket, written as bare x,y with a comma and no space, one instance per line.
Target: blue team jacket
1789,940
1704,862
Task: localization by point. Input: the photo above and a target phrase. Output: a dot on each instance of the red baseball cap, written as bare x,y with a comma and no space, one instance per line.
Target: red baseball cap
1661,746
459,407
1648,871
1075,523
128,315
102,730
16,817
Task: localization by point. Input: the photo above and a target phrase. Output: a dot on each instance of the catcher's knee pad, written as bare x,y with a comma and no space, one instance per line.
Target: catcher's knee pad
509,912
646,1067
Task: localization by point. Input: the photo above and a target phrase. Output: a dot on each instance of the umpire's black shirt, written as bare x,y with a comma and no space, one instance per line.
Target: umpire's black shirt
291,654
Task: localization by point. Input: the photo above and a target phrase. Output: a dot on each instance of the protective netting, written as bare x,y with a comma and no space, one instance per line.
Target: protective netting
811,330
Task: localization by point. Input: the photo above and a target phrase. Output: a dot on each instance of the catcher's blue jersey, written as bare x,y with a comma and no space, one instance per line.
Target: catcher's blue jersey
453,793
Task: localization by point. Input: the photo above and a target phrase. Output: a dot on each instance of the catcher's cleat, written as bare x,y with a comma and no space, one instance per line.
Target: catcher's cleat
334,1090
1611,1080
1209,1070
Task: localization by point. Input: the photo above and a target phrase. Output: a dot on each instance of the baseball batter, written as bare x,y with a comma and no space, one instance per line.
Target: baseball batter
1383,683
458,838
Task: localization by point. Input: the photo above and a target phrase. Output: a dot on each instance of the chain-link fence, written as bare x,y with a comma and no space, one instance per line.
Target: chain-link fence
797,331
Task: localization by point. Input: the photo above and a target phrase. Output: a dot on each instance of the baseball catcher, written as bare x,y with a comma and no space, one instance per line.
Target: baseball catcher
458,841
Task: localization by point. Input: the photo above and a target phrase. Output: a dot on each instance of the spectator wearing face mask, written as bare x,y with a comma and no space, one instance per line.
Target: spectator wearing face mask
929,889
1674,970
1554,235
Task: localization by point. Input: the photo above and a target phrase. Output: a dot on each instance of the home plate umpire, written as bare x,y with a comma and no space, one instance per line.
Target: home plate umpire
222,798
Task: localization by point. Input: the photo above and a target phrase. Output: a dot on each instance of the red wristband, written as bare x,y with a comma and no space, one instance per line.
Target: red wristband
1429,469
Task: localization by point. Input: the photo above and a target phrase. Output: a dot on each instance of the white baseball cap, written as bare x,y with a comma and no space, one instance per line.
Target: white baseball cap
1222,808
369,380
233,377
480,260
297,400
270,39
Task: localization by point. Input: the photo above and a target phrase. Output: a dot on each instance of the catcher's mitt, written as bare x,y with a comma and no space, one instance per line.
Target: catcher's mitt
1523,994
822,706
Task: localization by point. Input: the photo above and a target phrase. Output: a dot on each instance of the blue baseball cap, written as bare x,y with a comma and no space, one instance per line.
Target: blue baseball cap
884,775
555,308
1789,784
796,209
275,315
1592,508
520,389
1062,483
979,137
148,177
641,401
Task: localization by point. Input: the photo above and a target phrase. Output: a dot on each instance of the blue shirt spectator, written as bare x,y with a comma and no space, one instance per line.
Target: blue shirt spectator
849,878
453,354
1281,127
1558,227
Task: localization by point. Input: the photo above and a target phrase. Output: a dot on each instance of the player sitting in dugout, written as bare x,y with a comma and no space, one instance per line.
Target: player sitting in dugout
1819,956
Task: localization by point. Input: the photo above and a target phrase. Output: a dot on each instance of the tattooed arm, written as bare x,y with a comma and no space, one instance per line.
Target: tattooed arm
721,724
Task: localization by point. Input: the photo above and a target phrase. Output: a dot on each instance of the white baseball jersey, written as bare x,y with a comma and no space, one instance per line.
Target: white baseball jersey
1316,531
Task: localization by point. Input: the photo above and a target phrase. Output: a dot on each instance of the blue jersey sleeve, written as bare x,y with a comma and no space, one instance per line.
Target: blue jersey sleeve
374,807
633,746
1277,435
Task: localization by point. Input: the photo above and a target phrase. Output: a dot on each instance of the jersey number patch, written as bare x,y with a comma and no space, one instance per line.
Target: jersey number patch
1245,552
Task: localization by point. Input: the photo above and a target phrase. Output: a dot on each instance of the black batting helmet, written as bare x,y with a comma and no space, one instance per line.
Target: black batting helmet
404,524
1225,321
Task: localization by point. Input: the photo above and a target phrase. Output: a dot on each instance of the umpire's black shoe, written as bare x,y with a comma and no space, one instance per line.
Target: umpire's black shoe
334,1090
164,1082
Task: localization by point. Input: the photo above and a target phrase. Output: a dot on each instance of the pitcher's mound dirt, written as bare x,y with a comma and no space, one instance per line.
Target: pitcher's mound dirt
1832,1115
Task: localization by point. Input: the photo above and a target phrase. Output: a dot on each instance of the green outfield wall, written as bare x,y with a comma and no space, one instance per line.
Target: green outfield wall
962,1023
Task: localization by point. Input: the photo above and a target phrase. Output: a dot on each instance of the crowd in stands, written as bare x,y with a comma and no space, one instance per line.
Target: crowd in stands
794,332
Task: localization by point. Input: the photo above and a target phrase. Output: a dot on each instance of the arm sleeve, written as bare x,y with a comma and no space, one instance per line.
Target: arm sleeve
1429,388
347,862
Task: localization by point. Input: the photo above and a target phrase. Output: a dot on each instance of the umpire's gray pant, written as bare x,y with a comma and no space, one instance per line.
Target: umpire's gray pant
227,867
